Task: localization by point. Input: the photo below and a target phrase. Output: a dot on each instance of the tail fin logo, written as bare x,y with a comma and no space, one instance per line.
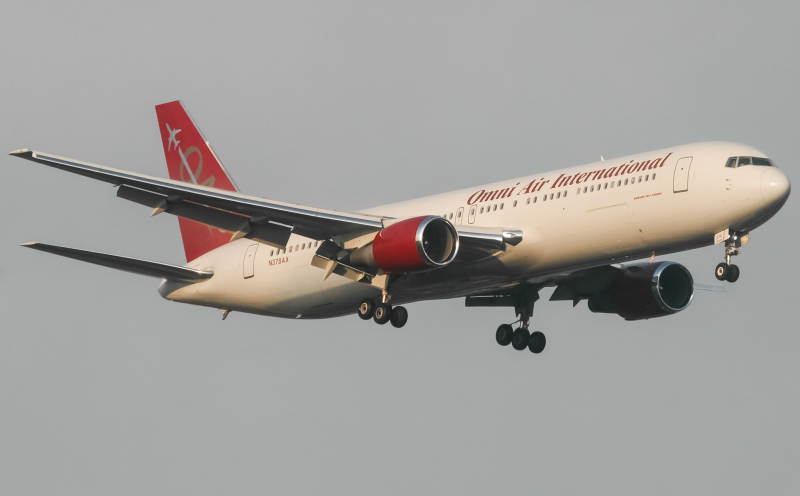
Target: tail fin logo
171,139
186,169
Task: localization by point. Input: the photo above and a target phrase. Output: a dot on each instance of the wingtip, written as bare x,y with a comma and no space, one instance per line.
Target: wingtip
21,151
29,245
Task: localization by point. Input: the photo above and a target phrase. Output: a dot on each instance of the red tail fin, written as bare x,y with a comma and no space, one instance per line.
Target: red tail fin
190,158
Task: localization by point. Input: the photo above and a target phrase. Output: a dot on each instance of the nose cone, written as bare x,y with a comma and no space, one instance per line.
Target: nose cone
774,186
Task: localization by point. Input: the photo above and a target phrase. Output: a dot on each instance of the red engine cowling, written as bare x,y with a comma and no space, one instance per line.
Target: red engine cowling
410,245
646,291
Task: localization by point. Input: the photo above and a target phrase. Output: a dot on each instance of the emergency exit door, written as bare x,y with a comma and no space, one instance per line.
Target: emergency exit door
249,261
681,180
460,216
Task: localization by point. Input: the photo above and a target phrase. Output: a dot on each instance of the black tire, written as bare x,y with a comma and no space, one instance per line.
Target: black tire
537,342
382,313
520,339
399,317
721,272
366,308
733,273
504,334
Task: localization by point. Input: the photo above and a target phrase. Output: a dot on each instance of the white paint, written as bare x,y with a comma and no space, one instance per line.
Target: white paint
560,235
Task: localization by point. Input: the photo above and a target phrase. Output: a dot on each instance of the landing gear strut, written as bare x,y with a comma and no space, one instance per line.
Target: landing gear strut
522,337
727,271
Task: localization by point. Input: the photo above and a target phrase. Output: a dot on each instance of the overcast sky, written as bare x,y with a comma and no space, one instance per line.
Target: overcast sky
105,388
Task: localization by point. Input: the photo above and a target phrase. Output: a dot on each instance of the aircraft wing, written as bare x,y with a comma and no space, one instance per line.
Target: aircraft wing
267,221
263,220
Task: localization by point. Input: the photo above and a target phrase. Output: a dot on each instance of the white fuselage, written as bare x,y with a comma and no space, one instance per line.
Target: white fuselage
573,218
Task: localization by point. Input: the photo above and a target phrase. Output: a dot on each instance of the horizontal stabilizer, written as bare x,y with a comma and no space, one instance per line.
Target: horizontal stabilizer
143,267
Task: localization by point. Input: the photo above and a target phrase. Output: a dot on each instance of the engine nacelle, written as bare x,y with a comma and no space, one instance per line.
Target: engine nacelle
646,291
410,245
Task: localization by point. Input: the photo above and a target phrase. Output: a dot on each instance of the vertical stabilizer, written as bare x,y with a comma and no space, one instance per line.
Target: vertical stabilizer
191,159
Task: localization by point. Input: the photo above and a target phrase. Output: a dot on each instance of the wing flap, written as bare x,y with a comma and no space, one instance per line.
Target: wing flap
319,223
136,266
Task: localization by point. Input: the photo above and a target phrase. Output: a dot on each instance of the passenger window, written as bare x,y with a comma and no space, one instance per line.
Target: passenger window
544,198
743,161
654,175
528,202
565,194
481,209
578,192
619,183
515,203
626,182
271,252
534,199
495,207
592,189
458,214
290,249
558,195
501,206
584,189
731,163
640,178
605,186
762,161
612,184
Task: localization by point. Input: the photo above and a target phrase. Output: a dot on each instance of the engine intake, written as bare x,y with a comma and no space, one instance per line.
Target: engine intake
410,245
646,291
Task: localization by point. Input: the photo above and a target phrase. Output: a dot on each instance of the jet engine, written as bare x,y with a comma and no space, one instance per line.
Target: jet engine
410,245
646,291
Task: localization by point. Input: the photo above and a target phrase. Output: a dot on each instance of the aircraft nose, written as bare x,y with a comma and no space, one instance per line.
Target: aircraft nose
774,186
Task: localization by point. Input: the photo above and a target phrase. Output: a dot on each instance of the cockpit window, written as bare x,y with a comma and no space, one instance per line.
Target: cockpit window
762,161
734,162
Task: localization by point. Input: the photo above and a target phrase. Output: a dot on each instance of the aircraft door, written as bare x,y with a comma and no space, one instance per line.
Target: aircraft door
472,213
459,216
681,179
249,261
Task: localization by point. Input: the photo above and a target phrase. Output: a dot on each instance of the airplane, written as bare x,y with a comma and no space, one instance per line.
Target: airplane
580,230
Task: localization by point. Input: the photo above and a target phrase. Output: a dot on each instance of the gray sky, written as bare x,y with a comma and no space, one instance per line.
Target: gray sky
105,388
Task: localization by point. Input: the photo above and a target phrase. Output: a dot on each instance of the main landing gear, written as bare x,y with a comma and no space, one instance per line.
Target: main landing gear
726,271
382,313
522,338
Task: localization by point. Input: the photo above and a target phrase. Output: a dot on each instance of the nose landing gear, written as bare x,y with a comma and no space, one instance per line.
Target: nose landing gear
727,271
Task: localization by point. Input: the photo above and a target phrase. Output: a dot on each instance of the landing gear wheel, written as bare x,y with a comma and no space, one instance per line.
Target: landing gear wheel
520,339
733,273
365,309
537,342
721,272
399,317
382,314
504,334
